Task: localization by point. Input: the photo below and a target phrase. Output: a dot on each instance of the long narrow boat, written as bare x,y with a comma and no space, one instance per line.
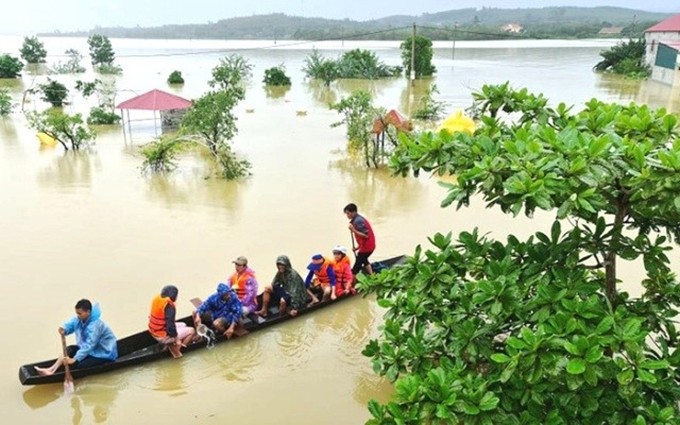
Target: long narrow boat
141,347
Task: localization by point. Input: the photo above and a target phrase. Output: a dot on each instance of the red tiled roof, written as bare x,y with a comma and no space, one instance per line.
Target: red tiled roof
155,100
671,24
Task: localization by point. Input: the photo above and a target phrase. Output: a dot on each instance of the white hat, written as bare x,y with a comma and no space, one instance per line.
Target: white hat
340,248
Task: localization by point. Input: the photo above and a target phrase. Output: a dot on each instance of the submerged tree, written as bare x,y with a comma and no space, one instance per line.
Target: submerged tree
33,50
72,65
102,55
10,67
105,91
429,108
211,120
6,104
54,92
159,155
542,330
69,130
358,115
276,76
626,58
423,56
175,77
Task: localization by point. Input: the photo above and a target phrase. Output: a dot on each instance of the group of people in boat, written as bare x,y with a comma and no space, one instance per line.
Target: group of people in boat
224,311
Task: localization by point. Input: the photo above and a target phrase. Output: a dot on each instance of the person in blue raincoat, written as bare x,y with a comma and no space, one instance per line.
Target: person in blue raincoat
95,342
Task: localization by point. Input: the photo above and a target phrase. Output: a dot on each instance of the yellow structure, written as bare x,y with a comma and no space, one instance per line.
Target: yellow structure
46,139
458,122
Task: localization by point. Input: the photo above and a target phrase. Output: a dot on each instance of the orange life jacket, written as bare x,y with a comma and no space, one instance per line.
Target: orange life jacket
322,274
343,275
238,283
157,316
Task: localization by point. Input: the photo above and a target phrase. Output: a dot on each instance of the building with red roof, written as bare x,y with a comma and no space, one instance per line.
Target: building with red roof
663,50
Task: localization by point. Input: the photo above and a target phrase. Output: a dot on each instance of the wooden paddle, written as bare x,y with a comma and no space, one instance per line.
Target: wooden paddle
68,379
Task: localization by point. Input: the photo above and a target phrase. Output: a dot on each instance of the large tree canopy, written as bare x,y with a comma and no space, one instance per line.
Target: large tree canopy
543,330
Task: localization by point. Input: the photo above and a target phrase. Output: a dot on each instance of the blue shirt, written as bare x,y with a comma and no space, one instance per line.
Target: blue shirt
230,310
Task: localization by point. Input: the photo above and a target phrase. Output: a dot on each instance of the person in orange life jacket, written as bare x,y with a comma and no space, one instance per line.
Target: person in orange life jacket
320,281
344,279
363,232
245,285
162,325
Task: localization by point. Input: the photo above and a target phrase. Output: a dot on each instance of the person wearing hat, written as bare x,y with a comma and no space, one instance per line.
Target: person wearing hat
222,310
287,289
343,272
320,281
245,285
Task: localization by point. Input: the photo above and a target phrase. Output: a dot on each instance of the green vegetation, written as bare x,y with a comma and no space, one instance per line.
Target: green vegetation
69,130
429,109
10,67
53,92
319,68
175,77
33,50
102,55
6,105
72,65
423,56
541,330
626,58
104,113
358,115
276,76
356,63
211,120
472,24
159,155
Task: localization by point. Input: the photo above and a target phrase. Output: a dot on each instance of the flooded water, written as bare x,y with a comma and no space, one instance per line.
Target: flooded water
90,225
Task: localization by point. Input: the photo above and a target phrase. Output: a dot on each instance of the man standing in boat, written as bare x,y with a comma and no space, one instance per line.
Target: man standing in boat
362,231
96,343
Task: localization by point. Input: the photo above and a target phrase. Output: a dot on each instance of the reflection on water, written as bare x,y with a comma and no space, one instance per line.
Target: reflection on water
8,131
70,169
91,402
234,361
323,95
276,92
170,376
376,189
411,95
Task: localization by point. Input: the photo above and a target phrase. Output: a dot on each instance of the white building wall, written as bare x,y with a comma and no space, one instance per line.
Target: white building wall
652,39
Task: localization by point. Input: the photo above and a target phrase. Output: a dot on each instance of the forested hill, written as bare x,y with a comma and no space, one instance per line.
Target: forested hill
549,22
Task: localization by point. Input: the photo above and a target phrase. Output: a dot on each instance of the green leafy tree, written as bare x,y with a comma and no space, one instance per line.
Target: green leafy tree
105,90
69,130
175,77
54,92
160,155
101,51
365,64
10,67
211,120
276,76
33,50
6,105
358,115
423,56
232,73
542,330
626,58
72,65
317,67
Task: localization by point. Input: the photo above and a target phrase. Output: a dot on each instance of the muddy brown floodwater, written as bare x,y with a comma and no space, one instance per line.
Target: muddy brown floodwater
89,225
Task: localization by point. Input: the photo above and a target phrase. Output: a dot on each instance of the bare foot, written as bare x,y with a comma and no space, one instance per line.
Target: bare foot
44,371
293,313
262,313
175,351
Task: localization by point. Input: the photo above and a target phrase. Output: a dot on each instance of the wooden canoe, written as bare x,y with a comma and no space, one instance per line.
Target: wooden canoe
141,347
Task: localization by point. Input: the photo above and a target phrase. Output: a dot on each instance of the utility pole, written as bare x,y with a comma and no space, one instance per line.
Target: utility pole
413,56
453,48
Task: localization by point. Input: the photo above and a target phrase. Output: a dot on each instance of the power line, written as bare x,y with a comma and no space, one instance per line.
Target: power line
455,30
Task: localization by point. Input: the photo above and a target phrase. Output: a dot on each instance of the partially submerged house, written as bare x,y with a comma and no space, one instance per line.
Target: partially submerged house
663,50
